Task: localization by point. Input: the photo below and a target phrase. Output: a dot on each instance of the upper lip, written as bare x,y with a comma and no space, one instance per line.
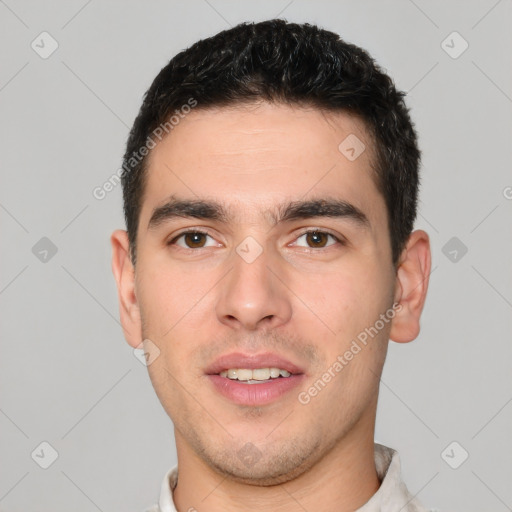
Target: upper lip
251,362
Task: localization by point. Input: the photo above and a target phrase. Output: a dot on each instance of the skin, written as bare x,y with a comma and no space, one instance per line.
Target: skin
303,299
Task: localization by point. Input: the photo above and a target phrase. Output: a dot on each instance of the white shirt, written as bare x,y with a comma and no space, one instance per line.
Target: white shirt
392,495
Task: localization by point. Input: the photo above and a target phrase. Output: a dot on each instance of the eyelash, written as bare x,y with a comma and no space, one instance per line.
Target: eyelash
339,240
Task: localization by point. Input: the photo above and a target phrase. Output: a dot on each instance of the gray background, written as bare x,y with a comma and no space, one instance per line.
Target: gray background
67,376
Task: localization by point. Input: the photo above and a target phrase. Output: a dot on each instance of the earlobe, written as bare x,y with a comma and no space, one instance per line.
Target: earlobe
411,287
124,274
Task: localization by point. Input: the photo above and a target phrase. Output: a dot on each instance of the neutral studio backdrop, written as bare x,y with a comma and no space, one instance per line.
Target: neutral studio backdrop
67,377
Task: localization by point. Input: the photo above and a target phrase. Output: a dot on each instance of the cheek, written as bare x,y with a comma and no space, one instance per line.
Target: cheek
349,299
173,303
167,294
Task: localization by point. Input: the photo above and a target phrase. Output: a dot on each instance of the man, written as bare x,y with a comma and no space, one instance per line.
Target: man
270,187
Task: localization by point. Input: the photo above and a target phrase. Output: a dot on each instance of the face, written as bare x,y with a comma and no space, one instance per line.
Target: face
255,273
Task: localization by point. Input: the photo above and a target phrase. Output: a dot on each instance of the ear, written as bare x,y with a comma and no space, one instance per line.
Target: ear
124,274
411,287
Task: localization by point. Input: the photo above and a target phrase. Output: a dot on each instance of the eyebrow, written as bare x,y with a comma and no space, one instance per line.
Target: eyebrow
293,210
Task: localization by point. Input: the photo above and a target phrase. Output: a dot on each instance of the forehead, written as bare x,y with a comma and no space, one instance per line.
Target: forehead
255,156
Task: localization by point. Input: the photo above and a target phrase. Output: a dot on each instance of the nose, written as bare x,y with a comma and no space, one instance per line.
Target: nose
253,295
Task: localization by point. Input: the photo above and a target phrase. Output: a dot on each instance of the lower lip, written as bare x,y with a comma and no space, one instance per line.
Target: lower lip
255,394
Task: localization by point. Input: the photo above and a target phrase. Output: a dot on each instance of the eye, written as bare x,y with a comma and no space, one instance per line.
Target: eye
192,240
195,239
317,239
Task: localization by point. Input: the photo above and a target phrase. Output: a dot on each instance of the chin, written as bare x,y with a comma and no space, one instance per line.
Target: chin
265,469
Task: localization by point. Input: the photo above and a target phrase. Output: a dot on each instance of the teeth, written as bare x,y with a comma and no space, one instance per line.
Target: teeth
244,374
274,372
261,374
258,374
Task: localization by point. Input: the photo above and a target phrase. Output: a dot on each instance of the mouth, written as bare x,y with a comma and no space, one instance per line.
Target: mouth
254,380
256,375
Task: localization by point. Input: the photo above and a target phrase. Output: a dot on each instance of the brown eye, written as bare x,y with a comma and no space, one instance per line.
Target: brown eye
193,240
316,239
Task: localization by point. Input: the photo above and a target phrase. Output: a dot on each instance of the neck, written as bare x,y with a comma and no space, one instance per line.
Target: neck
342,481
